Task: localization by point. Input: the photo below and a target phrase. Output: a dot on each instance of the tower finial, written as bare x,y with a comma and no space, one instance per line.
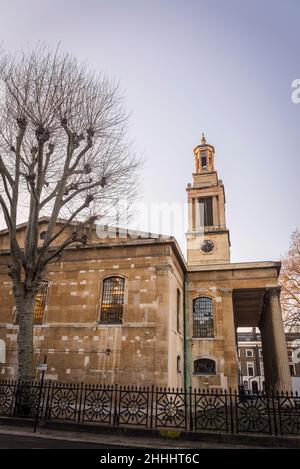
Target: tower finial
203,139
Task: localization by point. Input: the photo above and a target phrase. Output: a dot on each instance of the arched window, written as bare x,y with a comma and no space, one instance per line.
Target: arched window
203,320
112,303
204,366
178,364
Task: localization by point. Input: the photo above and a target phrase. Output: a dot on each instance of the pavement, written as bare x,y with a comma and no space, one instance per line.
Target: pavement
23,437
31,442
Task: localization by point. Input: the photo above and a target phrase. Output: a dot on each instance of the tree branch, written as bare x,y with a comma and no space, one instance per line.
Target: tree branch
4,171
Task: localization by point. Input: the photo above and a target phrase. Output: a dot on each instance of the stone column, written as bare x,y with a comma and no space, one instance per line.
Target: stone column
276,365
266,340
221,209
197,215
190,214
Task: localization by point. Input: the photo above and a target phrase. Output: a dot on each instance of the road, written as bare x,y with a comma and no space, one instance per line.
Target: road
20,442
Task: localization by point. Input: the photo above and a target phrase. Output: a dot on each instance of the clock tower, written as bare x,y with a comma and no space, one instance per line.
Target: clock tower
208,239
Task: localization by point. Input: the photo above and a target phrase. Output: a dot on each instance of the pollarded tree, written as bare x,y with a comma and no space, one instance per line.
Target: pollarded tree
64,154
290,285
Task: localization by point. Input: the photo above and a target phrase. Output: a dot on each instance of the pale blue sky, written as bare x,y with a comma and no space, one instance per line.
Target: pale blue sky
223,67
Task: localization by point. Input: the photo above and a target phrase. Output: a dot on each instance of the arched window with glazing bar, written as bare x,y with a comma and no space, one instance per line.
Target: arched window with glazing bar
203,318
112,302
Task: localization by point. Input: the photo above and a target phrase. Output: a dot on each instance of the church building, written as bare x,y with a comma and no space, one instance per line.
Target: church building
131,310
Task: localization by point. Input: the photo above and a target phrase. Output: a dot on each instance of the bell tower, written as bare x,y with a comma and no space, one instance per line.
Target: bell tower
208,239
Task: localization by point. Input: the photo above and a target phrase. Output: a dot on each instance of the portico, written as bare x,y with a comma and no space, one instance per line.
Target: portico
244,295
260,307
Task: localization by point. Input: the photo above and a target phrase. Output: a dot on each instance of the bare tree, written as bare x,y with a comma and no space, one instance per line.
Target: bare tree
290,285
64,154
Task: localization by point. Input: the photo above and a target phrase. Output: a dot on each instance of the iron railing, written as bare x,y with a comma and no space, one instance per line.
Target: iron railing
150,407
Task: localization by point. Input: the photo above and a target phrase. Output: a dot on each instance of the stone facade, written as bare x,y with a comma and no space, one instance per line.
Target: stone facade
78,348
179,320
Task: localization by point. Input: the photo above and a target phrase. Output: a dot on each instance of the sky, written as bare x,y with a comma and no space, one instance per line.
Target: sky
222,67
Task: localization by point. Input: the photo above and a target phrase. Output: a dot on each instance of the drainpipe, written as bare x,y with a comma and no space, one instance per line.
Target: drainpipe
186,337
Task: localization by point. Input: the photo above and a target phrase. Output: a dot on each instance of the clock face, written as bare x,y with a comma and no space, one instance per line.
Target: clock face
207,246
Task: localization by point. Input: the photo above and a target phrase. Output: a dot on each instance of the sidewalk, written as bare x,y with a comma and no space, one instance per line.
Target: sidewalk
131,437
109,440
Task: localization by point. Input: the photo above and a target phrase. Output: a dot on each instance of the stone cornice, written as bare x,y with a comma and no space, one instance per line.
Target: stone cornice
235,266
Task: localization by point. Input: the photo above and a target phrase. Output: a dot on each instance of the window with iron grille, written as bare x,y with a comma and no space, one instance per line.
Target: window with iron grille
204,366
112,303
203,320
40,303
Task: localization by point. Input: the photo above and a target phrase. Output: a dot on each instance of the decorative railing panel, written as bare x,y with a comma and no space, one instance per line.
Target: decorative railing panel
253,414
211,411
133,408
7,397
63,403
170,408
97,404
288,410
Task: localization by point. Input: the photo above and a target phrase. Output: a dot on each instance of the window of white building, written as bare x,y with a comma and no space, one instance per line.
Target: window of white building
250,369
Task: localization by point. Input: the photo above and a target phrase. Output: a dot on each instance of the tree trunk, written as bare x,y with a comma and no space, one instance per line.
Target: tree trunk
25,307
